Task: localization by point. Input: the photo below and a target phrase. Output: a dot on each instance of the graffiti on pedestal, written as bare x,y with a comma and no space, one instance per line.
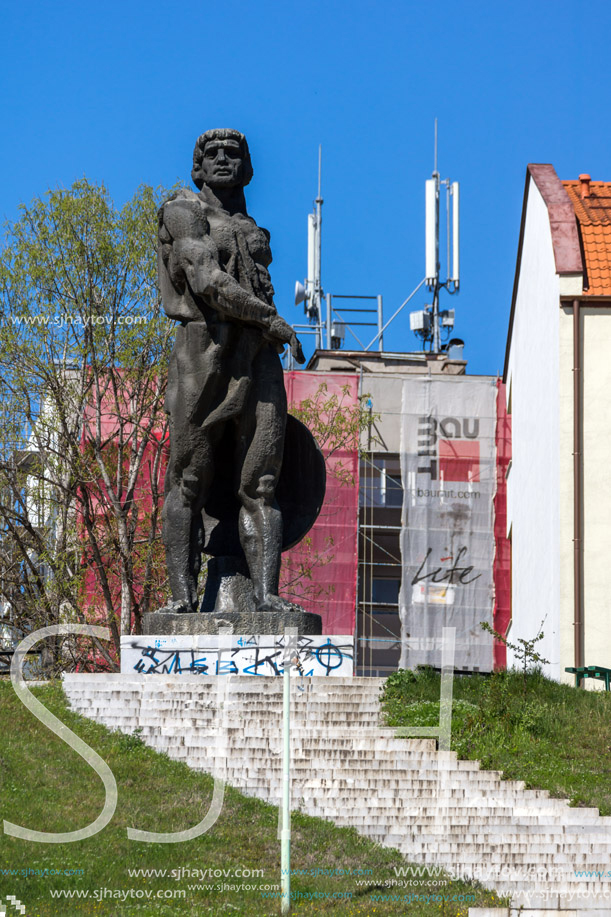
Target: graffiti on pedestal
236,655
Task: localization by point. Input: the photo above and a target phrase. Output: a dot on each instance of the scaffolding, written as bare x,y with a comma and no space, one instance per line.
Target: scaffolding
377,619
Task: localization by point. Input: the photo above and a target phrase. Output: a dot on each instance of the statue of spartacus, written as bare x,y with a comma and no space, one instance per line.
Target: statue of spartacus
225,395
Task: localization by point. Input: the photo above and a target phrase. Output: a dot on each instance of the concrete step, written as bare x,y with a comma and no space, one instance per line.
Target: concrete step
348,767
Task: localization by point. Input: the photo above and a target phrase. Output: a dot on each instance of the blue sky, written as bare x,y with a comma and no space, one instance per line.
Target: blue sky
119,92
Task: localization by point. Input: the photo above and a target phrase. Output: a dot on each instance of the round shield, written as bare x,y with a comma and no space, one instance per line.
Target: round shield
300,493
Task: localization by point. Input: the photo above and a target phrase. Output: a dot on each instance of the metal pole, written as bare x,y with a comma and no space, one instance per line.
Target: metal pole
435,157
318,250
447,183
436,341
380,324
285,850
328,321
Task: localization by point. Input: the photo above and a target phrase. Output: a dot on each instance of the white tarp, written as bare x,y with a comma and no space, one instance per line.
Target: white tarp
448,471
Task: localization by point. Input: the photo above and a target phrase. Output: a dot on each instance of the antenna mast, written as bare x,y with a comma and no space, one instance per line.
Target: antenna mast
311,293
429,323
317,284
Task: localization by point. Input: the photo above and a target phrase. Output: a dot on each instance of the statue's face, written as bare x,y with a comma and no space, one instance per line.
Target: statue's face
222,165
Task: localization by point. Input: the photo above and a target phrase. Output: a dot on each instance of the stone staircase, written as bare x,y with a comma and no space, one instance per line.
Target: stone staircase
438,811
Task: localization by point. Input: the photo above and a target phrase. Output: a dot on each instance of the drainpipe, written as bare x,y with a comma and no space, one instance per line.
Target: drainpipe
577,491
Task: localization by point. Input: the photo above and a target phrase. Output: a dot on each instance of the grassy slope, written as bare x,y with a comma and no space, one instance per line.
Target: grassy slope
553,736
44,785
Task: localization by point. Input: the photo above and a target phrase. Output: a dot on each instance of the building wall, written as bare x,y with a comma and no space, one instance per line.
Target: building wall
596,362
385,391
534,478
595,329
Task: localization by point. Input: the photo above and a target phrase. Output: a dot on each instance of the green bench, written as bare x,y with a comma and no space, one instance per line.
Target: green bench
591,671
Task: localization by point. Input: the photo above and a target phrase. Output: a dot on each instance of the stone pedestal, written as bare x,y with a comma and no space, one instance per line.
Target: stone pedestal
260,622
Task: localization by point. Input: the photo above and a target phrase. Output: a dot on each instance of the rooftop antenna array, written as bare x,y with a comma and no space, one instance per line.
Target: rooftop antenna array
429,323
330,329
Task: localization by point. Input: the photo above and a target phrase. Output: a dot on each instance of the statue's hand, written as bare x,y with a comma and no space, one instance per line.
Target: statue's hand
296,349
282,332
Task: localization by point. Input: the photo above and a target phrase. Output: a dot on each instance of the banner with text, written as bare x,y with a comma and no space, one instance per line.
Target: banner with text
448,470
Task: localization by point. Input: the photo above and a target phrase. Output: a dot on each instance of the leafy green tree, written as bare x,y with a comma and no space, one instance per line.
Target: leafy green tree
82,341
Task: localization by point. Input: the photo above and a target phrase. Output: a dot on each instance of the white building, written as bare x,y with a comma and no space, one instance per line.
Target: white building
558,377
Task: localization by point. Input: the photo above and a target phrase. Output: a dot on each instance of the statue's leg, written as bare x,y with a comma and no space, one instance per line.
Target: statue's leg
188,480
260,524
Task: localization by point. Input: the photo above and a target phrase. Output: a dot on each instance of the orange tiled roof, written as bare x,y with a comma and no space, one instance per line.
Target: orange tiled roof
594,218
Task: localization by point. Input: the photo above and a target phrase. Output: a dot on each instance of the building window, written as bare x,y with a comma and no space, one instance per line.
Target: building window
385,591
381,482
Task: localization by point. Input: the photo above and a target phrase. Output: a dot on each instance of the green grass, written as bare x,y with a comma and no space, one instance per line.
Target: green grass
44,785
552,736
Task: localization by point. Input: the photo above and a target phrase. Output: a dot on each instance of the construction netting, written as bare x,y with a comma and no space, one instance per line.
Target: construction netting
320,572
448,474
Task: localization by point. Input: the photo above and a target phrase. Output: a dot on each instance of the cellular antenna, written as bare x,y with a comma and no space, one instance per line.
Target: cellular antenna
431,322
310,293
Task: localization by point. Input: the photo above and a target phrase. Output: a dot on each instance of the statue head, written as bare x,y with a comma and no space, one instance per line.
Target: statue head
221,160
